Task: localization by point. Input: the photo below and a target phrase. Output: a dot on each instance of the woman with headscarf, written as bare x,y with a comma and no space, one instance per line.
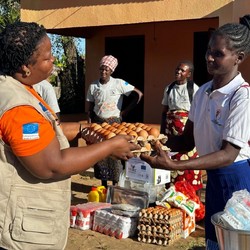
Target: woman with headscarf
105,97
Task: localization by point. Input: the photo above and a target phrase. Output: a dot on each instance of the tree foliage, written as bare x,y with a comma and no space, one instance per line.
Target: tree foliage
72,76
67,60
9,12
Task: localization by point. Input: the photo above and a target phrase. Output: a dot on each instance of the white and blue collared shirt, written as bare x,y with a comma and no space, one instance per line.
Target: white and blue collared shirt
222,114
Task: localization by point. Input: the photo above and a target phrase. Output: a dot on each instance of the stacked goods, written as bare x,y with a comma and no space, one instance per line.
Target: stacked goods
182,195
118,226
159,225
143,135
82,215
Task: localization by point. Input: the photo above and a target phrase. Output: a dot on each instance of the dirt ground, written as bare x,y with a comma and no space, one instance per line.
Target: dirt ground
91,240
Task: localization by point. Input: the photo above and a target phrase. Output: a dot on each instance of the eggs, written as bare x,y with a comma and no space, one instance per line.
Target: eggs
122,132
138,129
110,135
144,135
96,127
133,133
154,132
148,146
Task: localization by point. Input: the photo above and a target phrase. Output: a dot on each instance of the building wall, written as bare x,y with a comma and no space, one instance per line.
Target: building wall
166,43
92,13
166,40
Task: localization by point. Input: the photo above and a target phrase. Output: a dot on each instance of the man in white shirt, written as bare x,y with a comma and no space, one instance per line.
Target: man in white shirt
176,102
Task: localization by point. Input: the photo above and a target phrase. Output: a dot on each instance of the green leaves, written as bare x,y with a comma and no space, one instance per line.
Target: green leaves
9,12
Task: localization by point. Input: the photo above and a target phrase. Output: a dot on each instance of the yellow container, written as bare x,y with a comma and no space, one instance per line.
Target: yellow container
93,195
102,193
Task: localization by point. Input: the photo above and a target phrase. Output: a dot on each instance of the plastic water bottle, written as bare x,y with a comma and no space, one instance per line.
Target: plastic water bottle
93,195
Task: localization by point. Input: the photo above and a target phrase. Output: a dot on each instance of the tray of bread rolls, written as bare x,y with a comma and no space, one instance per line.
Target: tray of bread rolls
144,135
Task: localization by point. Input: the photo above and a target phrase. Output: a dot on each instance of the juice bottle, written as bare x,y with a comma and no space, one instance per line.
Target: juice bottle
93,195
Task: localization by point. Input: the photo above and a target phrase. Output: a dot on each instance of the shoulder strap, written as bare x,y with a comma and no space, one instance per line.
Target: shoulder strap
170,87
190,88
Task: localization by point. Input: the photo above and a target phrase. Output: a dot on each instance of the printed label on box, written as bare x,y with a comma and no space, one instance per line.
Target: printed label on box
188,224
140,170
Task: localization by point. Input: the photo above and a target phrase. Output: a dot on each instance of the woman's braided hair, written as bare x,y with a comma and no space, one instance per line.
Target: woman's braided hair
18,42
236,35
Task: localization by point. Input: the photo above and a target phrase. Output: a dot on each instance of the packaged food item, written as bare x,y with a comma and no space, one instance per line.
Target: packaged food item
86,213
114,225
178,199
120,195
125,210
73,214
237,211
188,190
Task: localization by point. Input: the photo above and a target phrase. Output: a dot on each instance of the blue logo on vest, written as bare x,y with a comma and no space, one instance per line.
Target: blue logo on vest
30,131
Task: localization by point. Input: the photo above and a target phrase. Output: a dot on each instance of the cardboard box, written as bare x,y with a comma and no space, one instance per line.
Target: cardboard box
137,169
188,224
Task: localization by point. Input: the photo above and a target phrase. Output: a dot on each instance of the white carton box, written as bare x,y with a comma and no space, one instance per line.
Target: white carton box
137,169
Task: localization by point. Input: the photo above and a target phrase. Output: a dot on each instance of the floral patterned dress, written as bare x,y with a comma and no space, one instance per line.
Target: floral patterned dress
175,124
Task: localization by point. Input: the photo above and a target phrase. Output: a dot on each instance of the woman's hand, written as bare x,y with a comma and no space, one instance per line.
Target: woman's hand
161,160
123,146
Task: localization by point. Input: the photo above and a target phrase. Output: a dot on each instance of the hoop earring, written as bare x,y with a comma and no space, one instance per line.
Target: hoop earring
27,73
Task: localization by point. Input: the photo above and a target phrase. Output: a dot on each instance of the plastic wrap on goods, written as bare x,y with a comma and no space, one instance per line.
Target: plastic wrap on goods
81,215
114,225
120,195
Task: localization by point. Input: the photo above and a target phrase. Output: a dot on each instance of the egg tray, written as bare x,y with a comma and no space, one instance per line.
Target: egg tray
144,150
150,139
146,145
158,225
143,135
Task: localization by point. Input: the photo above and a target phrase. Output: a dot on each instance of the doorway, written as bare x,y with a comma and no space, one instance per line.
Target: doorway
129,51
201,39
